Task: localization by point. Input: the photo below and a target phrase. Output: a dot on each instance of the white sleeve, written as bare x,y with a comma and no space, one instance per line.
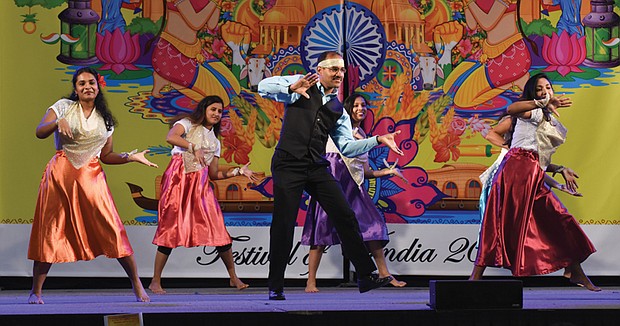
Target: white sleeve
185,123
109,132
218,149
536,116
60,107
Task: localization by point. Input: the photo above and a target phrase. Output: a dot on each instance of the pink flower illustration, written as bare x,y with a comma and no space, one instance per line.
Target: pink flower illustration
464,47
219,47
401,201
564,52
457,126
118,51
226,127
478,125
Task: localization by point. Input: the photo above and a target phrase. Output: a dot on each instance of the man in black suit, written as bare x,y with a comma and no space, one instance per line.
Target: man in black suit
313,113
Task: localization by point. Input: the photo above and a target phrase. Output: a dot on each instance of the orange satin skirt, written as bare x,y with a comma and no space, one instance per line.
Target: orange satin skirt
75,217
189,214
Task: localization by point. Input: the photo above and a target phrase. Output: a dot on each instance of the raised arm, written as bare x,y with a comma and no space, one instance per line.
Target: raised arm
342,136
277,88
522,108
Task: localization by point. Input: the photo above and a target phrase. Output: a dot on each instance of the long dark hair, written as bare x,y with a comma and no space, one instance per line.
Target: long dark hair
349,102
198,116
529,93
100,103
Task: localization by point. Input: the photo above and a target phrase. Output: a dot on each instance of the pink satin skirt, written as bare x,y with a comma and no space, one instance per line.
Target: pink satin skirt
75,217
189,214
526,228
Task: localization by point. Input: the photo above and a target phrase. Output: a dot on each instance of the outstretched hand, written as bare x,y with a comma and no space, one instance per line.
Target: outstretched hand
388,140
244,170
556,102
394,170
302,85
571,179
140,158
565,189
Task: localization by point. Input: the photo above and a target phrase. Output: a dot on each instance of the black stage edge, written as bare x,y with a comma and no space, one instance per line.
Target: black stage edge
578,317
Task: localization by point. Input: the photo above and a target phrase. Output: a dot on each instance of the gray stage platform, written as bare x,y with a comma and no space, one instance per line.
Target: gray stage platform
541,306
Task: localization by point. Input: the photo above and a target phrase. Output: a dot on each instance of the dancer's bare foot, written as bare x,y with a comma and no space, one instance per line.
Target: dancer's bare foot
578,277
35,299
396,283
311,288
141,295
156,288
567,273
237,283
585,282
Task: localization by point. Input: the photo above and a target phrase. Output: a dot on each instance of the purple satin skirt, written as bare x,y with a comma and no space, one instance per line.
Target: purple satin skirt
318,229
526,228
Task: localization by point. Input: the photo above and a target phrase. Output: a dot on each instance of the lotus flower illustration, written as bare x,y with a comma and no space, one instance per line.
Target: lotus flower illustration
564,52
118,51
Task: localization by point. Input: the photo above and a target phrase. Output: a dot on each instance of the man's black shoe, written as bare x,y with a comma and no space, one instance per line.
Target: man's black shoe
276,295
372,281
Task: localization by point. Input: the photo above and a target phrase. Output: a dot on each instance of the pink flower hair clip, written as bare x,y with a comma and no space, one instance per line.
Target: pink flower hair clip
101,81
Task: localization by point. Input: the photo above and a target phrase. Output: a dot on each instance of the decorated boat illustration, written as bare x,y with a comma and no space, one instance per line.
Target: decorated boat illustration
233,194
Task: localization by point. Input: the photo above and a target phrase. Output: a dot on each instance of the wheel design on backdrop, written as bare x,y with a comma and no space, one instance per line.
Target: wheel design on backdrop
365,38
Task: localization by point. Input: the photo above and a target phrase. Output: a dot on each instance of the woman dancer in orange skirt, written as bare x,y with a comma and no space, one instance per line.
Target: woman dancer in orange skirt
75,217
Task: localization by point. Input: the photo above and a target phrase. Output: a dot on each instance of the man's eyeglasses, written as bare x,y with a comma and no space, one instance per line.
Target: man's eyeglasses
335,70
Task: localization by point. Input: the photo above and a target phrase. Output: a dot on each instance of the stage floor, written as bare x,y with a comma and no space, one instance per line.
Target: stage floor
250,306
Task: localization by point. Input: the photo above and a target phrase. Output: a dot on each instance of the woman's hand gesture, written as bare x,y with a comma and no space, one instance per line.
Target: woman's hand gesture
394,170
199,154
558,102
140,158
244,170
63,128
